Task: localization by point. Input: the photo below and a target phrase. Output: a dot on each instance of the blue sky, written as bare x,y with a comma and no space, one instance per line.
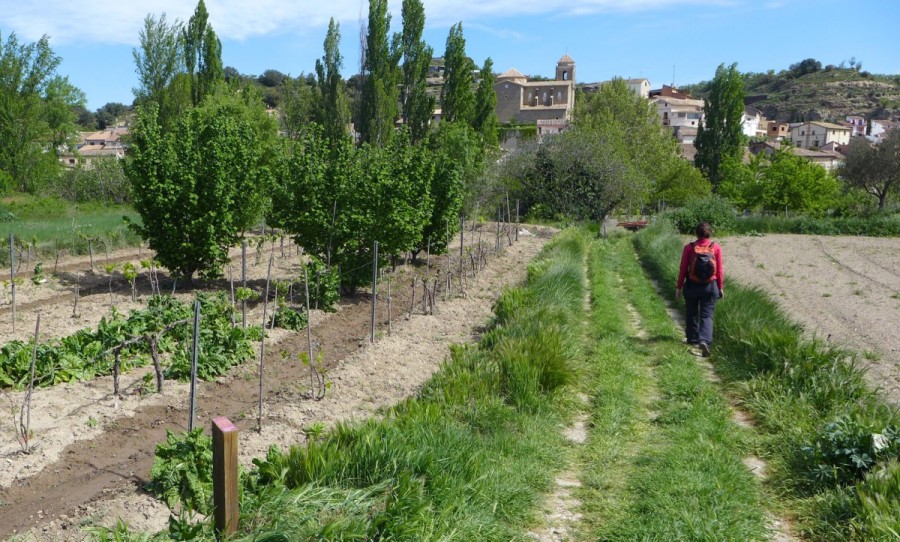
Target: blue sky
663,40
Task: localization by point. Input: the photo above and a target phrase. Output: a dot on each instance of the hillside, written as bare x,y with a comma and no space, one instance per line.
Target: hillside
806,91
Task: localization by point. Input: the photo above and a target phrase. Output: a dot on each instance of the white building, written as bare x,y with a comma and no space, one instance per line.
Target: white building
751,121
812,135
678,112
641,87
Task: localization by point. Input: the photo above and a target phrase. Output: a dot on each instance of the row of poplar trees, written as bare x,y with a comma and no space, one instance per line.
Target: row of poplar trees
206,161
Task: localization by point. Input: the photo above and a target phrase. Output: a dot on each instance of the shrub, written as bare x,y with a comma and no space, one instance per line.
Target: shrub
182,471
715,210
847,448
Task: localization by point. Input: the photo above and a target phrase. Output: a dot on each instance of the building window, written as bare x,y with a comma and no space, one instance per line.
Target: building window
529,96
559,95
545,95
505,85
565,75
682,115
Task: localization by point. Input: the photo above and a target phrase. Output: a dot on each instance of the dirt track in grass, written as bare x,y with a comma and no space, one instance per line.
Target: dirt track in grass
89,473
843,289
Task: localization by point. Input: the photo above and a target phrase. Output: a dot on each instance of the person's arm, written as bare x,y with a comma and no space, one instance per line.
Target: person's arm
682,271
720,270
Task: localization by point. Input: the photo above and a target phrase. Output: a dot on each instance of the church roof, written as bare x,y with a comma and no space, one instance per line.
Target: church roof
566,59
511,73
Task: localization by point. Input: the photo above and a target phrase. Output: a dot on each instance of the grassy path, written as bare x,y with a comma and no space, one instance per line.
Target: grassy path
663,460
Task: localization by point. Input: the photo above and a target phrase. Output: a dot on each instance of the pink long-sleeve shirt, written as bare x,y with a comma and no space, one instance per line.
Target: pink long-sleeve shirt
686,259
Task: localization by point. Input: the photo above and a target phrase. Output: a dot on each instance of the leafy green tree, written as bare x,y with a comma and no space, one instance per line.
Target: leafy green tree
103,180
417,105
793,182
323,199
109,114
401,174
630,120
457,98
874,168
485,121
272,78
719,136
583,173
37,114
202,55
158,60
298,105
681,183
199,186
780,181
457,156
334,112
378,108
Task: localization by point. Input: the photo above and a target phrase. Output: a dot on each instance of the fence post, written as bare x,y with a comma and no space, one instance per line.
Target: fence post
517,220
225,476
462,228
244,282
262,344
195,351
374,293
12,279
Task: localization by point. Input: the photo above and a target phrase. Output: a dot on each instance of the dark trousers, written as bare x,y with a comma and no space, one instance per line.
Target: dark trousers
700,301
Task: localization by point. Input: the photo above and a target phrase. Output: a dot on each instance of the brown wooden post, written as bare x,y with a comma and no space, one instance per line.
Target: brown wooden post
225,476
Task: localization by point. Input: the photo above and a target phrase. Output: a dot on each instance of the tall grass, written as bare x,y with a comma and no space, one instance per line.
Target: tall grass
45,225
830,439
468,458
664,459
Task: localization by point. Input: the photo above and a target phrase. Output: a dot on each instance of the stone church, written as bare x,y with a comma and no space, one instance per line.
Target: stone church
523,101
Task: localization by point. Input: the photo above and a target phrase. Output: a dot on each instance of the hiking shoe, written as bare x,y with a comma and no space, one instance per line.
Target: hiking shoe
704,349
689,342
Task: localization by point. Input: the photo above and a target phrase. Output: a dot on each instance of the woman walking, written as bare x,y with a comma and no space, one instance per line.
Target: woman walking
701,281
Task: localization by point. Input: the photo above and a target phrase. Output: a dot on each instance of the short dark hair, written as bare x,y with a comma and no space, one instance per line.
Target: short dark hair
703,230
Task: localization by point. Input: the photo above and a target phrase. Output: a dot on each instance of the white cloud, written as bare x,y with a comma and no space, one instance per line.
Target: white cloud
102,21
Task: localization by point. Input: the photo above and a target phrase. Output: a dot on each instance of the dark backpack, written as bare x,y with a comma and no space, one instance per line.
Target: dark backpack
702,266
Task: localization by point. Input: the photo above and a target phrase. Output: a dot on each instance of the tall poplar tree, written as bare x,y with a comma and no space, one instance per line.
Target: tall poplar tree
719,136
485,121
417,105
202,55
380,95
333,110
457,98
158,60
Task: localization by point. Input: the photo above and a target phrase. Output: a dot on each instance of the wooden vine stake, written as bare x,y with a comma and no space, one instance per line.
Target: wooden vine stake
231,283
225,477
462,228
517,220
195,352
374,294
244,282
498,228
262,345
25,427
314,390
12,279
389,307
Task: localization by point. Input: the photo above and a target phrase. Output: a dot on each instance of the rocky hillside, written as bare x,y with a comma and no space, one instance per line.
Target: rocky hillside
807,91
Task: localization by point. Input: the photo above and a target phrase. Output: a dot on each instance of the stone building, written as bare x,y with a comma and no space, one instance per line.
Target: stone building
523,101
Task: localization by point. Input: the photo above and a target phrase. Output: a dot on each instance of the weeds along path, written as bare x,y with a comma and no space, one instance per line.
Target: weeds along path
663,459
98,479
560,513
